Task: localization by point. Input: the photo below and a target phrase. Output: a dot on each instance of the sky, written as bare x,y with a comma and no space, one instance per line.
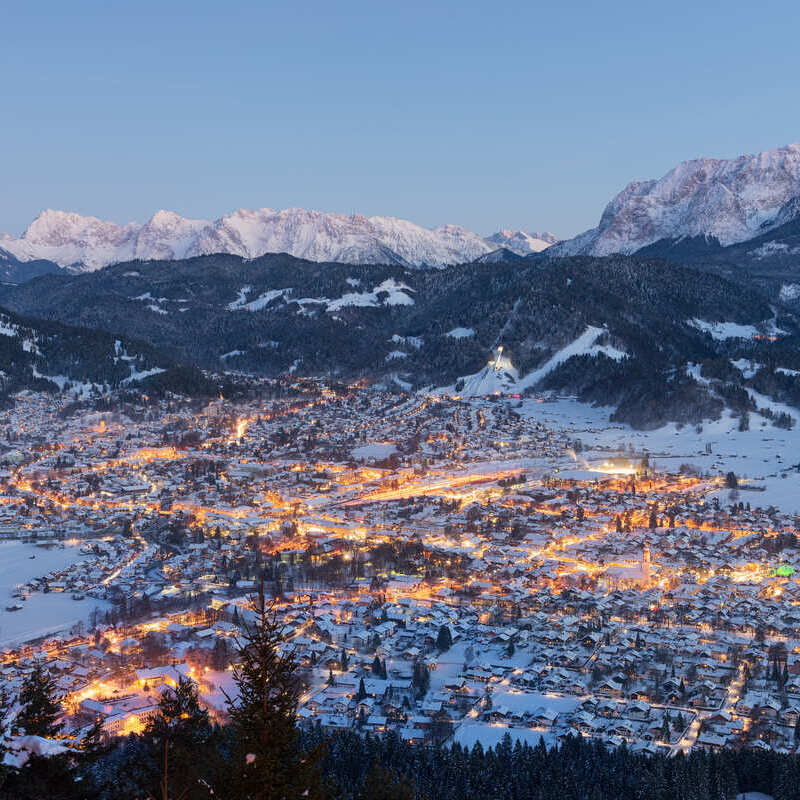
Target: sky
523,115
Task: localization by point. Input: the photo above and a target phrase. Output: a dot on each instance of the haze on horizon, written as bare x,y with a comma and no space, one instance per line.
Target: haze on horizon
529,116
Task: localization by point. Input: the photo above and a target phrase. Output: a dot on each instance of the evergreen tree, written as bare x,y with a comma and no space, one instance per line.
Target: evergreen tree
5,707
421,678
385,784
444,641
266,762
39,705
362,691
94,742
179,739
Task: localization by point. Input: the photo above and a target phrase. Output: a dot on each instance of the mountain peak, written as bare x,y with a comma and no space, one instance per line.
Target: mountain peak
164,217
520,242
731,200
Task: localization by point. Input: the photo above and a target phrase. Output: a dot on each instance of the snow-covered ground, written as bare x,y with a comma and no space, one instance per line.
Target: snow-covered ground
461,333
376,451
764,455
42,613
725,330
216,687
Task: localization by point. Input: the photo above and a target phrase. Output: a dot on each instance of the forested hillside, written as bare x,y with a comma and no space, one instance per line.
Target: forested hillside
412,328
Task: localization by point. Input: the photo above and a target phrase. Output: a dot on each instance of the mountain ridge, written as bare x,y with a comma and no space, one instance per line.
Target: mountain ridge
85,243
729,200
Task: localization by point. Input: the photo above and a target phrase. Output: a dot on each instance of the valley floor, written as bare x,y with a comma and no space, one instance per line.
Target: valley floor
453,570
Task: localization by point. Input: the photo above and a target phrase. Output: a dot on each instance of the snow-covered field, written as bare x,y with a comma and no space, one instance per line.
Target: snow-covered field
754,796
764,455
42,613
374,452
216,687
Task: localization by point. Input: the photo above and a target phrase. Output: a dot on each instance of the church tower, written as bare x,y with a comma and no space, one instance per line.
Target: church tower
646,565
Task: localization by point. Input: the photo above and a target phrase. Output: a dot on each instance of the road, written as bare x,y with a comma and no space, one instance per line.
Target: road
690,735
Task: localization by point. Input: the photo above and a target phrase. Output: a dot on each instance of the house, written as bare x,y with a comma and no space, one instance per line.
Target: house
710,741
638,710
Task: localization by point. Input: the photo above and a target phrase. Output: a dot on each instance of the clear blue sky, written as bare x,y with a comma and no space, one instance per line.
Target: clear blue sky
517,114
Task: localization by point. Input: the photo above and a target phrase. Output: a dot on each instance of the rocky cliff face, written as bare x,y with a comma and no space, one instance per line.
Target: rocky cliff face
729,200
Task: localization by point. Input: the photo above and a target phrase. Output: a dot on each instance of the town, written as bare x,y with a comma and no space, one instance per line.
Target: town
448,568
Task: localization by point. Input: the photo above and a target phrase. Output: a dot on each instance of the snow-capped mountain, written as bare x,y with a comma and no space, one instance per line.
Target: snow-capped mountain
88,243
730,200
522,243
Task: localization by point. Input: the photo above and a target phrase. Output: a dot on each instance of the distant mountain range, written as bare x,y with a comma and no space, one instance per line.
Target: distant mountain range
683,301
86,243
702,210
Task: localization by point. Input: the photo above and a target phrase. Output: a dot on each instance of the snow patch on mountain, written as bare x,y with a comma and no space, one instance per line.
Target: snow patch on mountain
769,249
88,243
387,293
725,330
411,341
262,301
789,292
730,200
395,295
460,333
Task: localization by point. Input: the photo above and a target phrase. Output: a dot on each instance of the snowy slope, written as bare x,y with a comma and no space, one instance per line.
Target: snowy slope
732,200
88,243
500,376
585,344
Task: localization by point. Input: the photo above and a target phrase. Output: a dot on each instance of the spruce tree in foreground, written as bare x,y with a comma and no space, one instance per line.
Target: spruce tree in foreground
179,738
5,707
267,762
39,705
